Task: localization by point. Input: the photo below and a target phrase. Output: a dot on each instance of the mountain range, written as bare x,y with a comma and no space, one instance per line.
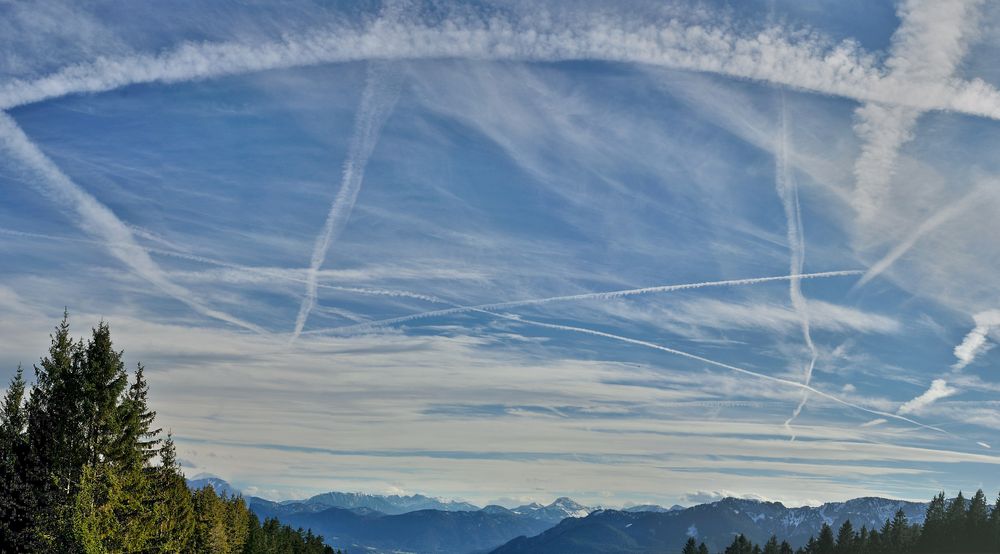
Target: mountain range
622,532
424,525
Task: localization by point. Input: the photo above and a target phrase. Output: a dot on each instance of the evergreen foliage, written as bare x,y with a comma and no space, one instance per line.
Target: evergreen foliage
958,526
77,460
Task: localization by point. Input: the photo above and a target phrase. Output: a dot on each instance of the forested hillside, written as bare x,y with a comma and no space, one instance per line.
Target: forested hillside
955,526
85,469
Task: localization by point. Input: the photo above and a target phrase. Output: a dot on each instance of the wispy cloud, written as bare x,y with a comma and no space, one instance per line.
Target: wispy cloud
971,199
377,101
722,365
788,192
927,47
939,389
97,220
976,341
798,60
609,295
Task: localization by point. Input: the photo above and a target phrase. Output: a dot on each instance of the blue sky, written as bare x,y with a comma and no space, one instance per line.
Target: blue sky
366,246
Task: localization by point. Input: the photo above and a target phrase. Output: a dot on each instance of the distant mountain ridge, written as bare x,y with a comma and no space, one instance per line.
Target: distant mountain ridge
421,524
387,504
649,532
358,525
220,486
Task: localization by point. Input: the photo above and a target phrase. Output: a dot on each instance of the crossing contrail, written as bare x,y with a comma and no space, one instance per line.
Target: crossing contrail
788,191
740,370
97,220
584,296
377,101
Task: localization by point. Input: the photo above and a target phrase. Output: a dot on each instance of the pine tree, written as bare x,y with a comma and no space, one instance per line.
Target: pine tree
977,527
846,539
137,442
900,534
825,542
104,382
995,525
862,544
740,545
174,509
785,548
16,501
932,536
210,522
56,450
875,544
771,546
702,549
690,547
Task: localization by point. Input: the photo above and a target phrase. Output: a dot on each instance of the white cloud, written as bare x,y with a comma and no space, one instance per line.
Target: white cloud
930,42
96,219
939,389
705,497
377,102
798,60
976,341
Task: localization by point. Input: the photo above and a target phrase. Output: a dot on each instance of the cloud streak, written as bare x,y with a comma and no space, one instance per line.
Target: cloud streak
940,217
788,191
609,295
976,341
740,370
927,47
269,273
939,389
377,101
796,60
97,220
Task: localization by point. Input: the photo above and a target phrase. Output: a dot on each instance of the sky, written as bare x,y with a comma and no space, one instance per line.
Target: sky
508,251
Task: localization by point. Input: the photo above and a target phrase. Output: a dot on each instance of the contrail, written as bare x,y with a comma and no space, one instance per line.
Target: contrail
788,191
940,217
930,42
800,61
377,101
96,219
275,274
585,296
740,370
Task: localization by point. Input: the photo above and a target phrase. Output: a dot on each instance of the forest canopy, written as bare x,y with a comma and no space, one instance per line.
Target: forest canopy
86,470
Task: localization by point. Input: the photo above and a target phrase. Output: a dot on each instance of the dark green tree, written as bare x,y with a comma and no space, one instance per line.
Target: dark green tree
78,474
690,547
16,499
846,539
173,520
977,524
932,539
740,545
57,449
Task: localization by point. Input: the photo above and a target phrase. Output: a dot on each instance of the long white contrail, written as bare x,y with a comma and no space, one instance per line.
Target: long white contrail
740,370
264,272
788,191
792,59
96,219
930,42
584,296
377,101
968,201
